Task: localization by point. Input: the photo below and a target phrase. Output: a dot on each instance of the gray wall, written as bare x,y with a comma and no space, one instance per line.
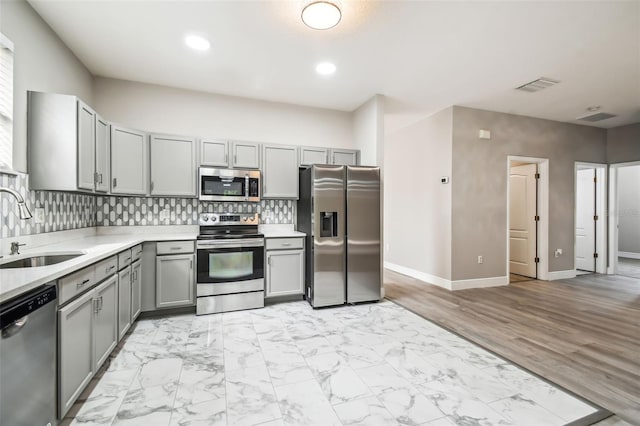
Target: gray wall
479,183
629,209
623,144
41,62
417,207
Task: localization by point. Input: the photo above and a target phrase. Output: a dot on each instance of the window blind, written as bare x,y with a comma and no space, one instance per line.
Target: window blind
6,104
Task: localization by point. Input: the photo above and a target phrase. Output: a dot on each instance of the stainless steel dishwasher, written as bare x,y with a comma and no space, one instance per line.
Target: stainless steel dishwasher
28,359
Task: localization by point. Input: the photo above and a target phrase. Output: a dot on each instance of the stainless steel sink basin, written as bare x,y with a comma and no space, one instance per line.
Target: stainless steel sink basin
42,260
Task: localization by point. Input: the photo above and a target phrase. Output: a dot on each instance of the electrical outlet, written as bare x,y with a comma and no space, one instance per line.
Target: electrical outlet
480,259
558,252
39,216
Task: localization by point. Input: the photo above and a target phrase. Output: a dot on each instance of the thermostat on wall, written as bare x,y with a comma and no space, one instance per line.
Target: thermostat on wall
444,179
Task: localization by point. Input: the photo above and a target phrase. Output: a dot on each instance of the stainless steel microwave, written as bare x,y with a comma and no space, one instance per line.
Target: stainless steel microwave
228,184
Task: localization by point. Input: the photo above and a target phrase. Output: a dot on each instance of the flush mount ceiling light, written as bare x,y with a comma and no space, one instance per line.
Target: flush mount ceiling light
197,42
321,14
325,68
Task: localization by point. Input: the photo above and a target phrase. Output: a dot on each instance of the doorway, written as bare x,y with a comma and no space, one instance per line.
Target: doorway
624,219
527,218
590,218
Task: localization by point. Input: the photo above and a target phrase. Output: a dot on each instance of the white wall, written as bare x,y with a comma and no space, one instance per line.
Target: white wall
184,112
368,131
417,207
42,62
629,209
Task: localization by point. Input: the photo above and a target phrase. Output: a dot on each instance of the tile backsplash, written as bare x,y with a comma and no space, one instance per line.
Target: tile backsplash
136,211
65,210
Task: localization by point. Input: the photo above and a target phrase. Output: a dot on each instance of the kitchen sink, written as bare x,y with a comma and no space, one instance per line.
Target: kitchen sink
40,260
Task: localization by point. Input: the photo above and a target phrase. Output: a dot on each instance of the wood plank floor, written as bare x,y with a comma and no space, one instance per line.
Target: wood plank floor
582,334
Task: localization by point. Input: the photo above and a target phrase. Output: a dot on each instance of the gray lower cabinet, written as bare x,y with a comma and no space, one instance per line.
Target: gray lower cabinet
174,280
129,161
124,301
87,333
136,289
105,336
285,267
279,171
75,345
173,166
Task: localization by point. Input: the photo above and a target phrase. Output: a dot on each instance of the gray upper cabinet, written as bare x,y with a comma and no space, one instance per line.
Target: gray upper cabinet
173,166
245,155
313,155
86,146
345,157
279,171
214,153
129,161
61,143
103,138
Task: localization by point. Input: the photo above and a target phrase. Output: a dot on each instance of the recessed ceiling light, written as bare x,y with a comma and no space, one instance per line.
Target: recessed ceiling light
594,108
321,14
197,42
325,68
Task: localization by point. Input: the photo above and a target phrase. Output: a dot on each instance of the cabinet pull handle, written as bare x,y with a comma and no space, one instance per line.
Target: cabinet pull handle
128,259
115,182
235,159
110,268
191,264
174,248
96,306
226,158
286,244
100,178
82,284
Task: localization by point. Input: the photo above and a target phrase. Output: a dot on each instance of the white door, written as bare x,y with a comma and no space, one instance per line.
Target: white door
585,225
522,223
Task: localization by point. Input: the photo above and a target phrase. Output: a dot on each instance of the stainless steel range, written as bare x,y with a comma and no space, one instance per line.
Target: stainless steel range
230,263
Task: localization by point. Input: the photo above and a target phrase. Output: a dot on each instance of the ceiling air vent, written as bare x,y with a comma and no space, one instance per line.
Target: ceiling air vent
598,116
537,85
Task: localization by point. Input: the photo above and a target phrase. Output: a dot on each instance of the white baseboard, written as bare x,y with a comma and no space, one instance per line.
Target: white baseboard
445,283
422,276
629,254
479,283
562,275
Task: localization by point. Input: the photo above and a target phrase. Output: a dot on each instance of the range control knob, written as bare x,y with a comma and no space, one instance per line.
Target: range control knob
213,218
205,218
244,219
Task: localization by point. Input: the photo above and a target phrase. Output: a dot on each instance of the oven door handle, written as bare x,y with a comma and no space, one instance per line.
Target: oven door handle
248,242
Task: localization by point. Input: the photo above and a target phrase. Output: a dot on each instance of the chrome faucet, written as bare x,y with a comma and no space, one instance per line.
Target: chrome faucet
22,206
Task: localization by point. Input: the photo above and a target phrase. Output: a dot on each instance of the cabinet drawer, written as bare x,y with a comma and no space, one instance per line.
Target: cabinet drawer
136,252
124,259
284,243
175,247
106,268
76,283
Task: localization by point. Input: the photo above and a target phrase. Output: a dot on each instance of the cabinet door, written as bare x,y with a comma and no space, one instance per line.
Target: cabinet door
279,171
214,153
313,155
124,301
344,157
75,345
105,327
86,146
174,280
103,137
285,272
136,290
129,161
173,166
245,155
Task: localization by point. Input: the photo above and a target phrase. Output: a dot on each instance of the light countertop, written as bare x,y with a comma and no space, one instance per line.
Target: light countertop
280,231
14,282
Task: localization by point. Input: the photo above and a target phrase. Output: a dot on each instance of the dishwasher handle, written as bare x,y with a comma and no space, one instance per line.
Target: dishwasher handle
14,328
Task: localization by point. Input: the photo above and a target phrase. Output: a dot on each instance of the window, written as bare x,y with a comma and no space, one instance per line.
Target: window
6,103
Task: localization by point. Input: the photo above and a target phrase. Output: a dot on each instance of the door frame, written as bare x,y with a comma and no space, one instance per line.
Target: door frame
543,211
601,211
612,267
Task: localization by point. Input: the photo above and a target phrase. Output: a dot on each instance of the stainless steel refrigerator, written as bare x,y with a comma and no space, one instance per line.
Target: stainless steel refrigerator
339,210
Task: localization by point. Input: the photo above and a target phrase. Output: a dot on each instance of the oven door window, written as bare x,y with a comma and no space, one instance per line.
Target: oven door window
222,186
230,264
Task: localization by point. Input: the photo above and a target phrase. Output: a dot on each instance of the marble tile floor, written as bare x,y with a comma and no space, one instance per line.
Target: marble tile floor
287,364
